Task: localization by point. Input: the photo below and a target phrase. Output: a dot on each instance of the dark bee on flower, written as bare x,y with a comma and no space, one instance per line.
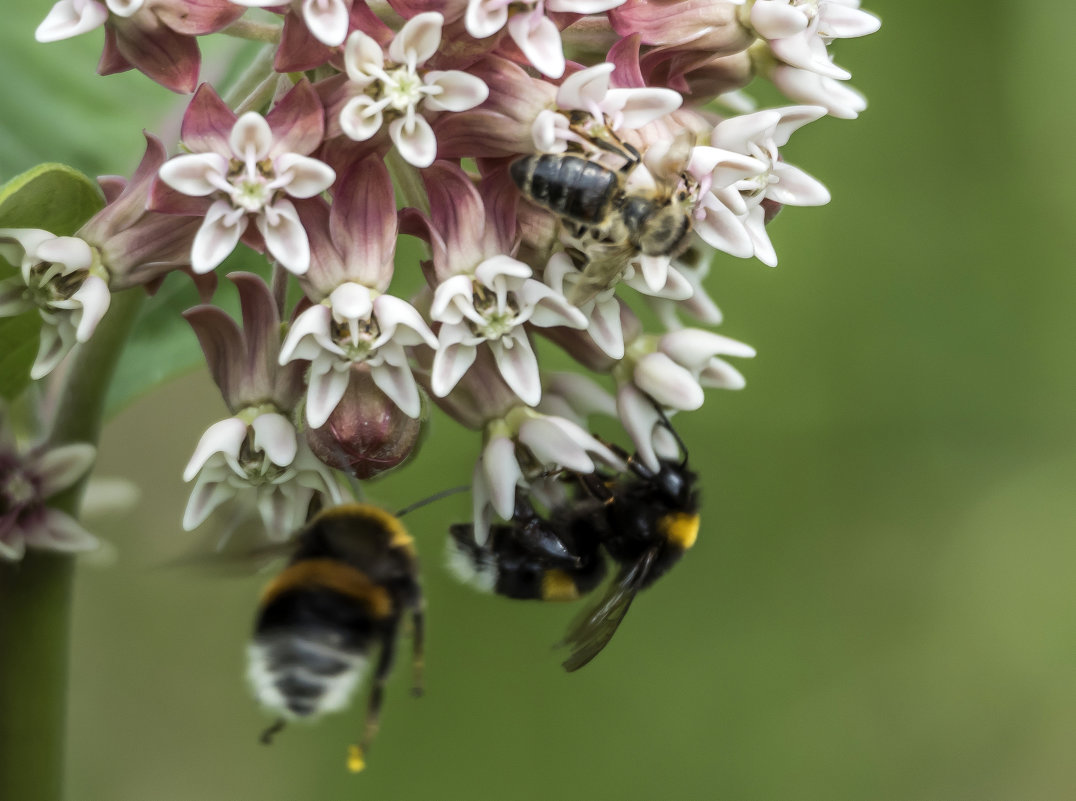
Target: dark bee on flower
607,220
351,579
643,520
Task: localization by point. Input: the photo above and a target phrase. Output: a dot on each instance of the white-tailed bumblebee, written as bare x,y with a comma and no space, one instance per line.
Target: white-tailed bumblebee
352,577
644,520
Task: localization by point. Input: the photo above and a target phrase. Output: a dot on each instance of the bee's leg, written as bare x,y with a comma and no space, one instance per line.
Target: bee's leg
418,648
268,734
357,755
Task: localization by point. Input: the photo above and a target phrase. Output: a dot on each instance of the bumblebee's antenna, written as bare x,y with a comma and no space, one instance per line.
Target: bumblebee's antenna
669,427
268,734
435,497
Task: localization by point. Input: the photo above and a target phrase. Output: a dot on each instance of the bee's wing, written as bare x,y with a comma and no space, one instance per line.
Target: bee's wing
591,632
235,559
604,264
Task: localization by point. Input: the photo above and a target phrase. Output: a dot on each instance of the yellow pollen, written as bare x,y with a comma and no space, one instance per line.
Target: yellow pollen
355,760
680,528
558,586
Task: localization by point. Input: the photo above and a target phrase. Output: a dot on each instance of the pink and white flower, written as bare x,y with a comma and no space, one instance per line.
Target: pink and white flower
247,168
391,86
63,278
327,20
740,169
27,480
536,35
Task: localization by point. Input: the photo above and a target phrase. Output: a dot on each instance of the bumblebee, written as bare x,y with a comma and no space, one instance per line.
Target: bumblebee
528,558
607,224
643,520
352,577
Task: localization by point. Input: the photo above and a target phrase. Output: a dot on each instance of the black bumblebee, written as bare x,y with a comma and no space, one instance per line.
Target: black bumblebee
352,577
643,519
607,224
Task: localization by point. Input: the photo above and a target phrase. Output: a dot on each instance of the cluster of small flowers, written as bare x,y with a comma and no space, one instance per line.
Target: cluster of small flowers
430,104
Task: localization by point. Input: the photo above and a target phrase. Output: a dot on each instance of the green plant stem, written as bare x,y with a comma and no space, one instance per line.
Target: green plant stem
255,83
254,31
35,594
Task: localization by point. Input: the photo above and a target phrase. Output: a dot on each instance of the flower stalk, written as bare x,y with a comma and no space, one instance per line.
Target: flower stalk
35,594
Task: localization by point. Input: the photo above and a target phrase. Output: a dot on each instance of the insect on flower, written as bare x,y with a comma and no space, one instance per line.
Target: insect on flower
643,519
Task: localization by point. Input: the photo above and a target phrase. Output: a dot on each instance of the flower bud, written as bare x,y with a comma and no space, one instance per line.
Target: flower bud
367,433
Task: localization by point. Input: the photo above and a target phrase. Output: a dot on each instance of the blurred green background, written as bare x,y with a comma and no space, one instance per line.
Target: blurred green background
881,603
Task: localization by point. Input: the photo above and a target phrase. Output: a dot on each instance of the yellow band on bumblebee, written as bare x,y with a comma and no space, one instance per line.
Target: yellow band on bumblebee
333,575
558,586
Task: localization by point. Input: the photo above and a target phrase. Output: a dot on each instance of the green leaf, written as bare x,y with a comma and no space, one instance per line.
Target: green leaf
53,197
19,335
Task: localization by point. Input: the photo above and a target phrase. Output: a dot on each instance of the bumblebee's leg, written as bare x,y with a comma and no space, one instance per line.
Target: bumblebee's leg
357,753
268,734
418,648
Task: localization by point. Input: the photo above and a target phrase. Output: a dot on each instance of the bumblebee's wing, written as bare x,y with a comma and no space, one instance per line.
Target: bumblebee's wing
591,632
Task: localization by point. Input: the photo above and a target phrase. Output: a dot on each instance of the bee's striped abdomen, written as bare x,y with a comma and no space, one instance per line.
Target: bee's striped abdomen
570,186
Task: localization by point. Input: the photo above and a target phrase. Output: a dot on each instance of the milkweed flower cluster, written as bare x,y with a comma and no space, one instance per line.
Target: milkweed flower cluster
564,163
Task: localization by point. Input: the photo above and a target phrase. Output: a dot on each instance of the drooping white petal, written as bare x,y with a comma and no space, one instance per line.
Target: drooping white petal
61,467
251,138
217,237
70,18
720,228
553,444
722,375
450,363
70,251
195,174
55,343
205,497
776,19
327,20
550,308
418,39
667,382
794,187
605,328
755,225
460,91
398,383
302,176
518,365
416,142
539,39
502,473
274,435
840,21
285,237
639,107
694,347
94,297
324,393
225,436
639,417
302,339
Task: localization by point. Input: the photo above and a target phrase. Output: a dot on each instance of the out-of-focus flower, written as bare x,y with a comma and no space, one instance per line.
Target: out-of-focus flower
156,37
60,276
27,480
327,20
392,87
256,452
247,173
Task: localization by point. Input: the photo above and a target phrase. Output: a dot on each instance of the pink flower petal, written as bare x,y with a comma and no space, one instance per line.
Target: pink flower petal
57,531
